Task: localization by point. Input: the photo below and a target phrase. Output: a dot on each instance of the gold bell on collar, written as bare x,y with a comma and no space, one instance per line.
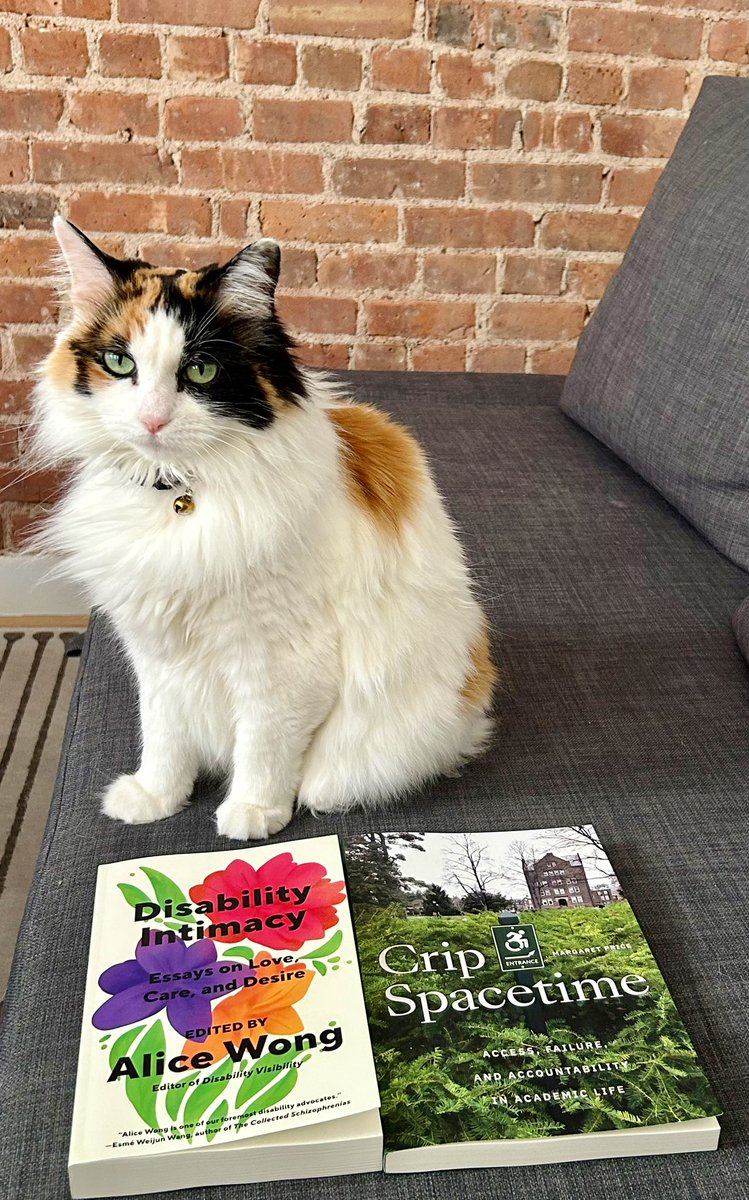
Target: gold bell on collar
184,504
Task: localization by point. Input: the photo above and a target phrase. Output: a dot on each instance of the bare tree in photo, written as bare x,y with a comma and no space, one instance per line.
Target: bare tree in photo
469,866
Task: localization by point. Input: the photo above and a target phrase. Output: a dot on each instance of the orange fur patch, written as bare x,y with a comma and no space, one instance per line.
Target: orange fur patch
383,464
479,685
60,367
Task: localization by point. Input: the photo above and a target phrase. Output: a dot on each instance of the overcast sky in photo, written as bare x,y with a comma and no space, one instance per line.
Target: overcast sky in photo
429,865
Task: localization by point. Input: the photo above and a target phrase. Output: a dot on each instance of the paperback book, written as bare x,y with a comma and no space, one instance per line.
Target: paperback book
224,1036
517,1013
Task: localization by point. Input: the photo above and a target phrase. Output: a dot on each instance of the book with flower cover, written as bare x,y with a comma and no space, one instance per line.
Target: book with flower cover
224,1037
517,1013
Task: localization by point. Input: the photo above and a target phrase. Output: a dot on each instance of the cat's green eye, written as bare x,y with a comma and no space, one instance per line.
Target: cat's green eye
119,364
200,372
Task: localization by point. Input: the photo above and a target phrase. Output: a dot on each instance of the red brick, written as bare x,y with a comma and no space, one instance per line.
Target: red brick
19,524
107,162
131,212
587,230
29,349
538,129
454,24
420,318
536,320
430,357
475,128
96,10
8,444
527,276
6,58
331,67
54,51
594,83
30,111
538,182
113,112
379,356
504,359
521,26
573,131
609,30
235,14
313,313
402,124
292,220
400,69
41,8
198,57
203,118
332,356
729,41
133,55
303,120
264,171
28,210
629,186
298,268
466,76
26,304
265,62
15,396
590,279
468,227
460,273
352,270
554,360
344,18
534,80
193,255
233,219
14,162
647,137
39,487
657,87
392,177
27,257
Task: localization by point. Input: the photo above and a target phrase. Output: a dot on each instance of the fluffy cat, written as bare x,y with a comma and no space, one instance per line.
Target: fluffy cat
307,624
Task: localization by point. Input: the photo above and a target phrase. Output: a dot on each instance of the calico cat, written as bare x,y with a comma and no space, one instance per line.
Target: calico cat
277,561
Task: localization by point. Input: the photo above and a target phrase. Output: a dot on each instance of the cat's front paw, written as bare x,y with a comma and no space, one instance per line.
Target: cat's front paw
250,822
126,800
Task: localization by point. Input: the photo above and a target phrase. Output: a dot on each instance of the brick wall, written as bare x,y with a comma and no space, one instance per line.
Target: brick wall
454,181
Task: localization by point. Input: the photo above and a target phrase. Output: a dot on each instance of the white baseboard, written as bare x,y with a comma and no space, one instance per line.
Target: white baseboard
24,592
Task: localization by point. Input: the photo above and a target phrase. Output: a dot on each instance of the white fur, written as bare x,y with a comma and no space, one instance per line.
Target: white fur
277,633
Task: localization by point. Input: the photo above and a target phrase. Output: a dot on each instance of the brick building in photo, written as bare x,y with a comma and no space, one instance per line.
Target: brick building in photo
454,182
556,882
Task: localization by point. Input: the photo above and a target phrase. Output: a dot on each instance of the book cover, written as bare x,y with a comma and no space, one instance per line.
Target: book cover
223,1001
512,994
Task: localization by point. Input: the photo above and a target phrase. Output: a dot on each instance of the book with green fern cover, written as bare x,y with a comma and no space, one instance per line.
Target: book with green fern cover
517,1013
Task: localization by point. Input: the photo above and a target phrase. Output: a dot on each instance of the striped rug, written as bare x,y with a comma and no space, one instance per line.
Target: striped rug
36,684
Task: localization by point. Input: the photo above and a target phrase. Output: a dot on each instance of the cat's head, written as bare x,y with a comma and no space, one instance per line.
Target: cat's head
158,365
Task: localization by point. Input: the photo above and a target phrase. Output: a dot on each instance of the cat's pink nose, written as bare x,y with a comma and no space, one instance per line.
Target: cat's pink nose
154,424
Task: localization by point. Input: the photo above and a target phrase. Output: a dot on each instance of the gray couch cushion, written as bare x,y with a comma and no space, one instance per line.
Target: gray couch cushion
662,371
625,702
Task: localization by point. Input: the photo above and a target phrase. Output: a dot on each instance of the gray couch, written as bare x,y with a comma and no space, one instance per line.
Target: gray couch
625,702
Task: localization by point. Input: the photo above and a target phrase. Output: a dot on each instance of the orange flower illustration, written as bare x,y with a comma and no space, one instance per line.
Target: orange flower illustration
272,1003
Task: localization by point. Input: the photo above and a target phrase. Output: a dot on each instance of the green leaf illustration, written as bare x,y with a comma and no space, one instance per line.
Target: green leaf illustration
120,1048
258,1078
274,1094
133,895
140,1091
176,1095
319,967
203,1095
166,889
239,952
218,1117
326,949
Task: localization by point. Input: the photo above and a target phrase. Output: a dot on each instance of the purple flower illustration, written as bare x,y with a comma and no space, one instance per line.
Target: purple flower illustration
133,995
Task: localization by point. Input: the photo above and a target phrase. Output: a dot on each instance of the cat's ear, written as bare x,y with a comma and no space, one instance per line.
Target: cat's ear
90,276
248,281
